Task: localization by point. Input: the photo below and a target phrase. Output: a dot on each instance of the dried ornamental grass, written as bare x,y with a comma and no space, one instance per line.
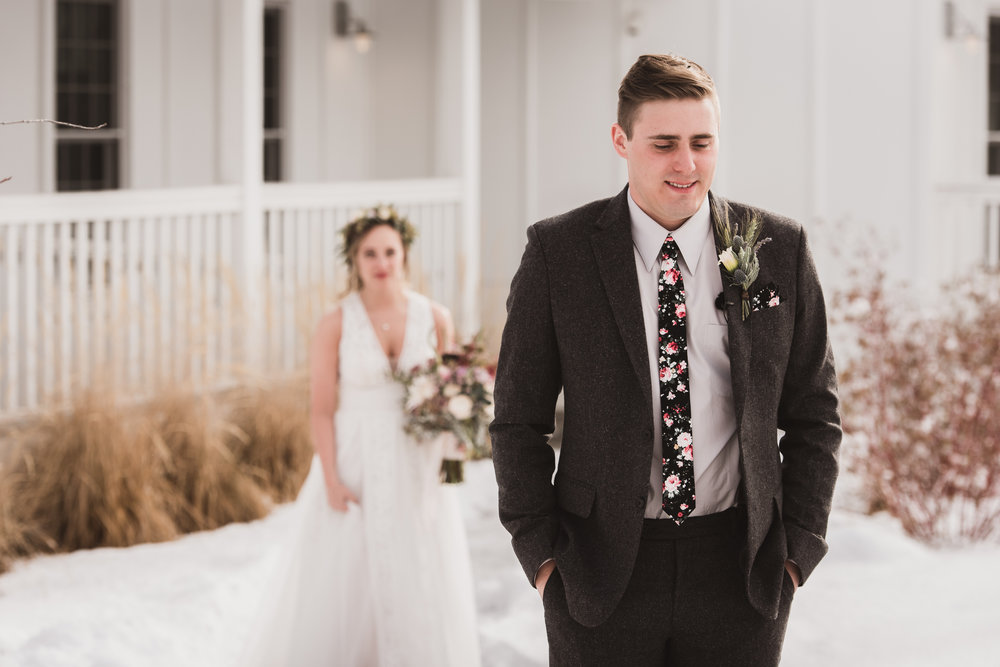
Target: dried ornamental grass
100,475
82,479
207,486
271,438
18,537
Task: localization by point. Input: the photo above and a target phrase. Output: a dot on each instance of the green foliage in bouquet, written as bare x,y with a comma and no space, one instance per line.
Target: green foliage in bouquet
451,393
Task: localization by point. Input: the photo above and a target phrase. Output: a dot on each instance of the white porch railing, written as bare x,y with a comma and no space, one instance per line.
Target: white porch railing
138,289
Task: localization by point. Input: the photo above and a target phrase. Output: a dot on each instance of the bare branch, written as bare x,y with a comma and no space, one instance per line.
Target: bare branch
54,122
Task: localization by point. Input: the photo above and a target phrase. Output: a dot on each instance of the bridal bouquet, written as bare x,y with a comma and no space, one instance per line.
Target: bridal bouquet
452,394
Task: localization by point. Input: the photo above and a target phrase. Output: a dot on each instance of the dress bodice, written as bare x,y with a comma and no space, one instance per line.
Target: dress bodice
365,372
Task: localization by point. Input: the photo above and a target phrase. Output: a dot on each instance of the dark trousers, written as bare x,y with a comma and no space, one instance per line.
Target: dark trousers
685,606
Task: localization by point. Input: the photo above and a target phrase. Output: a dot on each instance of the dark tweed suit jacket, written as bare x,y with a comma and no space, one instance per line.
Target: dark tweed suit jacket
575,324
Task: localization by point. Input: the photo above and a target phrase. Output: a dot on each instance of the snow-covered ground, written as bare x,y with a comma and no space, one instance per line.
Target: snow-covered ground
879,599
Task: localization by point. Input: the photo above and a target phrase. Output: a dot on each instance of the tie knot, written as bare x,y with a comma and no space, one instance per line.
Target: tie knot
669,249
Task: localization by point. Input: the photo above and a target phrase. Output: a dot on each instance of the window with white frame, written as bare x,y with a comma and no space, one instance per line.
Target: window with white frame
88,94
993,111
274,117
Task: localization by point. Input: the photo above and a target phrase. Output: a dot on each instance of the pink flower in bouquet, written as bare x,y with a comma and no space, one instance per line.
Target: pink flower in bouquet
460,407
451,394
424,388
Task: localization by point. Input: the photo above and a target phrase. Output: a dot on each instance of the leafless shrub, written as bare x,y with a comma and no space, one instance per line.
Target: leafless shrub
922,403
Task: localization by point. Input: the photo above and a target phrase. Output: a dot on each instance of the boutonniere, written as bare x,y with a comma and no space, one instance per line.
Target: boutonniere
739,254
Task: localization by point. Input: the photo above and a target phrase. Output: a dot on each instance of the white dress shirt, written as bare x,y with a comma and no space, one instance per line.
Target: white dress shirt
713,415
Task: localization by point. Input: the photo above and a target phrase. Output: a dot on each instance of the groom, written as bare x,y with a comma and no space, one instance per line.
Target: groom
678,525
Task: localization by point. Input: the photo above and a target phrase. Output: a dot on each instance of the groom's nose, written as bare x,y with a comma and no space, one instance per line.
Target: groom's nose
683,160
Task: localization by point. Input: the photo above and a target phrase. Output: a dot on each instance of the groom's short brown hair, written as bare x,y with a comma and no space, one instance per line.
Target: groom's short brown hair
661,77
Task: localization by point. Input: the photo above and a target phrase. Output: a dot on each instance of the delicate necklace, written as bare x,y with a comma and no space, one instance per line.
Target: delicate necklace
384,326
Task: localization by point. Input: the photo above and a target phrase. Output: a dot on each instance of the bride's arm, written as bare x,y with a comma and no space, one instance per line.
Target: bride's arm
444,327
451,446
323,384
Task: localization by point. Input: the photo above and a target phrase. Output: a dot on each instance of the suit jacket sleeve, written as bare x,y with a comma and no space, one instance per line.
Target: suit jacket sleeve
528,382
808,414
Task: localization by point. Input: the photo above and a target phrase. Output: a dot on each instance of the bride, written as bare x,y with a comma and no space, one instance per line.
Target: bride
376,571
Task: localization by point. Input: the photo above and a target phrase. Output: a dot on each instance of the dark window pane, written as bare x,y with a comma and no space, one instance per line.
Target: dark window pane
63,21
67,171
87,165
993,97
87,93
100,109
994,74
104,24
268,114
993,159
273,51
101,68
272,160
994,113
62,105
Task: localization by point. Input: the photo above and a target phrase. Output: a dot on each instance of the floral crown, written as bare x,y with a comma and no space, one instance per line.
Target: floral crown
368,218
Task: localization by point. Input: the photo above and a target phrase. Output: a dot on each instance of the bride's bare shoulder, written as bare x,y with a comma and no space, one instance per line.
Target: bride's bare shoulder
443,323
330,324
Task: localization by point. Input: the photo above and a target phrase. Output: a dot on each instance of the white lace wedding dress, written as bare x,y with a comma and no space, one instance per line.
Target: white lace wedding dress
388,583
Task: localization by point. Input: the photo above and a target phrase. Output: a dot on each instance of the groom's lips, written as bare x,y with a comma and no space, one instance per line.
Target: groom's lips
680,186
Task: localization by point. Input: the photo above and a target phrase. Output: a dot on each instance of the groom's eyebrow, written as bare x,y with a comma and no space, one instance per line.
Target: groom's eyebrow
675,137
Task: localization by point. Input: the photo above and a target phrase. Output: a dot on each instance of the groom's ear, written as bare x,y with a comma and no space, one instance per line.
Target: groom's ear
619,139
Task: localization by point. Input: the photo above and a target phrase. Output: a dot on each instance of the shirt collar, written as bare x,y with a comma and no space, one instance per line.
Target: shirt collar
648,235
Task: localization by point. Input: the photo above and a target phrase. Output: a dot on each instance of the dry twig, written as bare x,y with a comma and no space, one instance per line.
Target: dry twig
54,122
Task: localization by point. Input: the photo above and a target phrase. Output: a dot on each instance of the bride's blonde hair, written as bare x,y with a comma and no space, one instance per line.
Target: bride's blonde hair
367,219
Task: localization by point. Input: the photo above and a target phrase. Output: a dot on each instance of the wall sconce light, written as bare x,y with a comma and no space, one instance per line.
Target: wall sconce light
345,25
957,27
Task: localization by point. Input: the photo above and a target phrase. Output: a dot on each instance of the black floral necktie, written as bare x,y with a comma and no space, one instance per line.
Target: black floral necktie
675,397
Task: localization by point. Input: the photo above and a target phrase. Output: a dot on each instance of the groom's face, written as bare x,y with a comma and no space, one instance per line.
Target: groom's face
671,157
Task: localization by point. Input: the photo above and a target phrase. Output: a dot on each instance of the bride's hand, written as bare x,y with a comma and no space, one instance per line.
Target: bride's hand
338,496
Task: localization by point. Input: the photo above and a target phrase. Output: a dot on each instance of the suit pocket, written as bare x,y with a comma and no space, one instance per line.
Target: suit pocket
574,496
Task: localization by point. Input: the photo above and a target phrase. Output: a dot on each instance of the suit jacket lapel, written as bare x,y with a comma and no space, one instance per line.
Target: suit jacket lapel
612,245
739,329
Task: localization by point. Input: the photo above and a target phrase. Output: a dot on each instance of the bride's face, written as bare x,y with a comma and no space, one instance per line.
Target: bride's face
381,259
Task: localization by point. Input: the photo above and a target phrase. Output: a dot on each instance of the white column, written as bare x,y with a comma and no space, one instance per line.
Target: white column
249,241
472,292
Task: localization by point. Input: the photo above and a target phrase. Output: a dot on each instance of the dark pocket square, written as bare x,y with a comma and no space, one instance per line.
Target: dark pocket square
766,297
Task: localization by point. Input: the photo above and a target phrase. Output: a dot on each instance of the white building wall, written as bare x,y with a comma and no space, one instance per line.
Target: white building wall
181,98
346,123
849,113
22,95
503,120
958,93
403,77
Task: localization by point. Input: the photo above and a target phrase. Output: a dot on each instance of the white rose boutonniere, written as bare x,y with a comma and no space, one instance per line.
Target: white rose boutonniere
739,254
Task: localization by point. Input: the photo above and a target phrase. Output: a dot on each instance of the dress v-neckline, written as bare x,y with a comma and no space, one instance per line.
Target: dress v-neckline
374,334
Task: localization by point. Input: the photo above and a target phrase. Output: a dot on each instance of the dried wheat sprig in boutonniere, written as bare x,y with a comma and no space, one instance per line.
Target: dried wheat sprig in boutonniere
739,250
